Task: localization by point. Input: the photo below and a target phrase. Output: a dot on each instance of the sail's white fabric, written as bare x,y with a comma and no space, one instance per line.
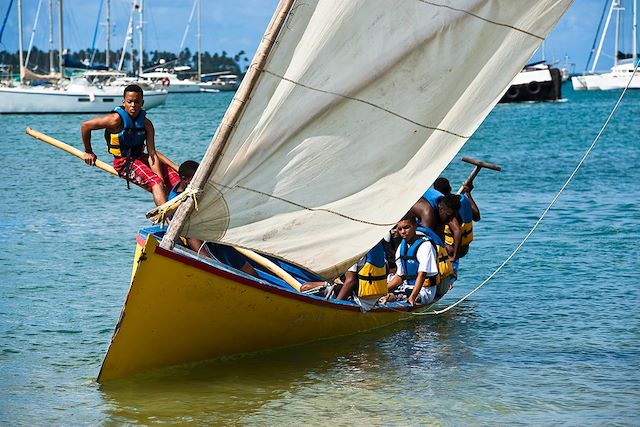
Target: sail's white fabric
360,107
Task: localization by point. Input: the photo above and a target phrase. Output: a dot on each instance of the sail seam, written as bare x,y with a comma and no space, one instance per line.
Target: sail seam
482,18
241,187
379,107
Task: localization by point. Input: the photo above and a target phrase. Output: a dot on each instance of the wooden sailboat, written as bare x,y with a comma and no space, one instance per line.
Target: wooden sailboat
349,111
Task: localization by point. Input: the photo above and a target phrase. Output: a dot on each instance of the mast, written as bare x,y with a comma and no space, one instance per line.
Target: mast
616,43
199,47
20,55
141,62
126,40
108,33
51,68
604,32
634,41
61,39
229,120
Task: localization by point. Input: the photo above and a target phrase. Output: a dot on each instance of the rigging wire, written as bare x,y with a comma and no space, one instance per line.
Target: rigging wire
4,21
595,39
544,213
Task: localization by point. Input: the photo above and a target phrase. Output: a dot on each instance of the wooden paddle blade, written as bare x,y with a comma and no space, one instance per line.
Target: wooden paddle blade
481,164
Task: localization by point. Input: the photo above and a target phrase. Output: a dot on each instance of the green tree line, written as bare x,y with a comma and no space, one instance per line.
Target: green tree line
211,63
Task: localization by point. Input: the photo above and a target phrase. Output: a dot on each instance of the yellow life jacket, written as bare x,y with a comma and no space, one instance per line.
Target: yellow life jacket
445,268
130,140
465,218
408,254
372,273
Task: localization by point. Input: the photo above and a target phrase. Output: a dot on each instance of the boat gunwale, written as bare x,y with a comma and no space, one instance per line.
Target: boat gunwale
273,289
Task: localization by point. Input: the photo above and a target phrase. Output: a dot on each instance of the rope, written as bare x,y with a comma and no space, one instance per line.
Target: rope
544,213
159,213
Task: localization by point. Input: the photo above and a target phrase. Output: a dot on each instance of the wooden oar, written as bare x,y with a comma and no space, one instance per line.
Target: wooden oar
271,266
80,154
69,149
275,269
479,165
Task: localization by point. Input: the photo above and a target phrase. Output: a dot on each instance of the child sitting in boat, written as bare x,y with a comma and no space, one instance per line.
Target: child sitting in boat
225,254
364,282
127,129
416,264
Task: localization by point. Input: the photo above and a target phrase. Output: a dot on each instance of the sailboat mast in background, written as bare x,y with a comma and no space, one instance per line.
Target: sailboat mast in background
141,56
20,54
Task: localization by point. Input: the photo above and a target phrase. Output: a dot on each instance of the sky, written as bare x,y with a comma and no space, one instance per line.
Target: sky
235,25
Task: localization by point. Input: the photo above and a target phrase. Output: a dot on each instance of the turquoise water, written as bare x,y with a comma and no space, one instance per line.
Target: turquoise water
552,339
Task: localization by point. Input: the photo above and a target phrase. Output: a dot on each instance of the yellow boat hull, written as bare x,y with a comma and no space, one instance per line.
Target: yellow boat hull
180,310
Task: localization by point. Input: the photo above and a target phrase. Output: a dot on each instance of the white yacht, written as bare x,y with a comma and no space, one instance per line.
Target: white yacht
621,73
76,95
170,82
227,82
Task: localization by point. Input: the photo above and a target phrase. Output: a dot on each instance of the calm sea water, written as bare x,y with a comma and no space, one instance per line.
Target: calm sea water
553,339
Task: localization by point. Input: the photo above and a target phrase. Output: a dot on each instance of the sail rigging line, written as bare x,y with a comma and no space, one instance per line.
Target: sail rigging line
4,21
544,213
379,107
33,33
595,38
482,18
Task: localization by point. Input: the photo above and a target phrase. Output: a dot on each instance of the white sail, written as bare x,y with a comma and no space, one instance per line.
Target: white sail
361,105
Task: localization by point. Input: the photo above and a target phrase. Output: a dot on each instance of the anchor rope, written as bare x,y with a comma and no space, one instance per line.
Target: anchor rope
544,213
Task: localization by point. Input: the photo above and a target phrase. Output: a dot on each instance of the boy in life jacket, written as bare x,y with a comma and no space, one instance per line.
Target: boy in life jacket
126,130
434,210
459,232
417,266
366,280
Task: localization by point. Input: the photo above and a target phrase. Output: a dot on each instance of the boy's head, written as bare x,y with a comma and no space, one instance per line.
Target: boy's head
442,185
407,226
187,170
133,100
448,207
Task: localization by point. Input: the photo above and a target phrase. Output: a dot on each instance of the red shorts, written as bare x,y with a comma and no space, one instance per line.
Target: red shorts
141,174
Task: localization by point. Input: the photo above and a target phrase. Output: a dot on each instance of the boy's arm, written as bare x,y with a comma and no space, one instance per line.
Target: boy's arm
417,287
109,121
475,211
154,161
454,226
348,285
394,283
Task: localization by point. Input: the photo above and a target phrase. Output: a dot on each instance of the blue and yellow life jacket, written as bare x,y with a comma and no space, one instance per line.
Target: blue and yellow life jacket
433,196
372,273
130,140
465,218
409,260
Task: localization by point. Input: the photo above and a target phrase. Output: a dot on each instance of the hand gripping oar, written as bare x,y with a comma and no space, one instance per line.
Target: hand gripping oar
479,165
80,154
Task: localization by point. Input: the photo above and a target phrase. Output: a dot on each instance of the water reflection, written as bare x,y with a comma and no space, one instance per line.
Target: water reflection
321,378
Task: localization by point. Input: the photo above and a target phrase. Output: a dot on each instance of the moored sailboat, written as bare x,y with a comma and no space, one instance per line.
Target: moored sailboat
75,95
622,73
348,103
